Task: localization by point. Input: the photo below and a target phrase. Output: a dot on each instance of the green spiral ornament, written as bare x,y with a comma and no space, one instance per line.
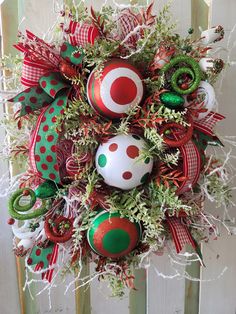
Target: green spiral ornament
18,211
194,71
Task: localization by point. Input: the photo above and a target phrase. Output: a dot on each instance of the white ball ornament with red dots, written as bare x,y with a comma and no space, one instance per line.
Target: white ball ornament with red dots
119,161
114,90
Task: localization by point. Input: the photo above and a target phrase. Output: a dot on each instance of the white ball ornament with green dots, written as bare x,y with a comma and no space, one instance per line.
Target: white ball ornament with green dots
119,161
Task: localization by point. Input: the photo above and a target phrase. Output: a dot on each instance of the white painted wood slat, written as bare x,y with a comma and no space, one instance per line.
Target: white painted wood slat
9,298
218,296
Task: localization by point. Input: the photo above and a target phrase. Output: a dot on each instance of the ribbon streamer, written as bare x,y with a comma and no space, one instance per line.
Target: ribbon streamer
44,258
49,273
51,95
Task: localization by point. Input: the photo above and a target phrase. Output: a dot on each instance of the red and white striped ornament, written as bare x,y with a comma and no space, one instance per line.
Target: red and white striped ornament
117,88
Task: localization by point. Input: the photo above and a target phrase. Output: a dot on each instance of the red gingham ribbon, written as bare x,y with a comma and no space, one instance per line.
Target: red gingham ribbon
82,34
191,166
207,124
180,233
32,71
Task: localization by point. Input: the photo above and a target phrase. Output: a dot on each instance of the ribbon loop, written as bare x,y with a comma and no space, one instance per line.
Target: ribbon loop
207,124
82,34
191,166
180,233
53,83
32,71
72,54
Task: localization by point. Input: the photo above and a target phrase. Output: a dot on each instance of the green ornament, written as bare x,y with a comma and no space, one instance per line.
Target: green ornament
172,100
46,190
20,211
190,30
192,69
113,236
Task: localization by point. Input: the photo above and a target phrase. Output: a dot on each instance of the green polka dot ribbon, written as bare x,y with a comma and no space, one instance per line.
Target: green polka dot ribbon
72,54
51,95
40,256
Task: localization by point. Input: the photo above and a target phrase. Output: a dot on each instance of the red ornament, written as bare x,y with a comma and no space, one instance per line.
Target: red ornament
26,193
175,134
184,86
117,88
58,229
11,221
67,69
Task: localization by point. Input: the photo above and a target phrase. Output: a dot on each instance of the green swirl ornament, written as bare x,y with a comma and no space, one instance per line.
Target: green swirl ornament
171,100
18,211
193,70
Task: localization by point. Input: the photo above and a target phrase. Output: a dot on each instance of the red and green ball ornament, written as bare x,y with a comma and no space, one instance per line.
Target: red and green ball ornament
115,89
112,236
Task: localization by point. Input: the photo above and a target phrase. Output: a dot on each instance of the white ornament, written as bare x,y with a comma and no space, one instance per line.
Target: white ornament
119,161
206,64
207,91
26,243
41,236
25,234
212,35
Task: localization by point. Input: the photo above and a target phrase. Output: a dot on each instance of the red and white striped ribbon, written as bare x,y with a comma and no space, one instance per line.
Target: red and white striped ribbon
82,34
191,166
49,273
126,23
74,202
33,69
180,233
207,124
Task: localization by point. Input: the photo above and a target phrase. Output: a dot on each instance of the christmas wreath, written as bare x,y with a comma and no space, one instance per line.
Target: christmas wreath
117,114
